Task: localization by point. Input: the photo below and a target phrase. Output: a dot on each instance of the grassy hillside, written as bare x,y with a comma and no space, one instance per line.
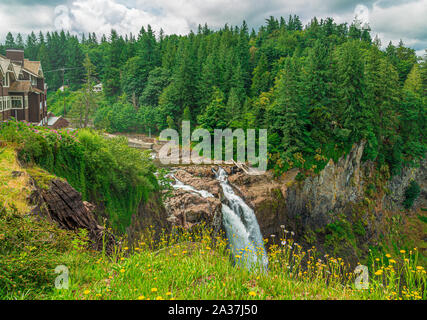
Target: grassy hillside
107,172
180,265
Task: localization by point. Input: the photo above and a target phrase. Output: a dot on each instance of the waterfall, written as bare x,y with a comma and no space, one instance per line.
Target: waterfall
241,227
239,221
180,185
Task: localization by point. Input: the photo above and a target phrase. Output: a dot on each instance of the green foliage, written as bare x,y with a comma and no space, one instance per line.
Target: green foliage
158,80
30,251
196,265
317,89
106,172
215,115
59,100
411,194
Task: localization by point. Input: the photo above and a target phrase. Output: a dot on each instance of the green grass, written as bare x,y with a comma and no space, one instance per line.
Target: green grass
107,173
198,266
180,265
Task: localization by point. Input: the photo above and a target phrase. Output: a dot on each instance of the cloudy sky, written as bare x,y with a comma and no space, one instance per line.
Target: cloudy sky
390,19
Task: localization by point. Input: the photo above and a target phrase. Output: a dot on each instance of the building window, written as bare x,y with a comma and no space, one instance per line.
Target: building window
6,80
33,81
17,102
4,103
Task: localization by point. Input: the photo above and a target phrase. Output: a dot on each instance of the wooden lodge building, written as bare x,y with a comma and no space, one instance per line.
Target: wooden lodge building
22,88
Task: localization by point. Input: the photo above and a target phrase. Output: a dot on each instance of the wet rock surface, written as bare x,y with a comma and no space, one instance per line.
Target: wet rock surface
187,208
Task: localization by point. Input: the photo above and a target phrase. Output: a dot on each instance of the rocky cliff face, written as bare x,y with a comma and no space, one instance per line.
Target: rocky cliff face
63,205
150,214
398,184
343,209
57,200
334,208
186,208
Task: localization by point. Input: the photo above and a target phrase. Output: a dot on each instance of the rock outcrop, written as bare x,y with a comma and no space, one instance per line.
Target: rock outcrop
150,214
397,186
335,200
63,205
186,208
333,210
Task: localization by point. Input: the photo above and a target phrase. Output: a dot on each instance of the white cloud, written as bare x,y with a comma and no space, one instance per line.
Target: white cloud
406,21
18,18
391,19
101,16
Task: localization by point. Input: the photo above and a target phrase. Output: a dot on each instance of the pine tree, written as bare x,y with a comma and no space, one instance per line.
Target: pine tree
86,103
382,97
31,47
10,41
234,107
186,116
19,42
287,116
158,80
209,79
113,63
317,91
414,82
413,116
349,92
261,77
215,115
74,61
423,71
133,79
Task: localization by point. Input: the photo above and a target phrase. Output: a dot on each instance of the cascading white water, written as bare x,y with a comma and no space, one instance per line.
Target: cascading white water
239,221
241,227
179,185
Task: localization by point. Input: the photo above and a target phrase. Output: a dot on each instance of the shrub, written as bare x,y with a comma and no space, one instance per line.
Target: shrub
106,172
411,194
30,250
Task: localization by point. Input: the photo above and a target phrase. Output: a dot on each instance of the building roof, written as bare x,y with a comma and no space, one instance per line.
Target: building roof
20,86
4,63
23,86
32,66
50,121
17,69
